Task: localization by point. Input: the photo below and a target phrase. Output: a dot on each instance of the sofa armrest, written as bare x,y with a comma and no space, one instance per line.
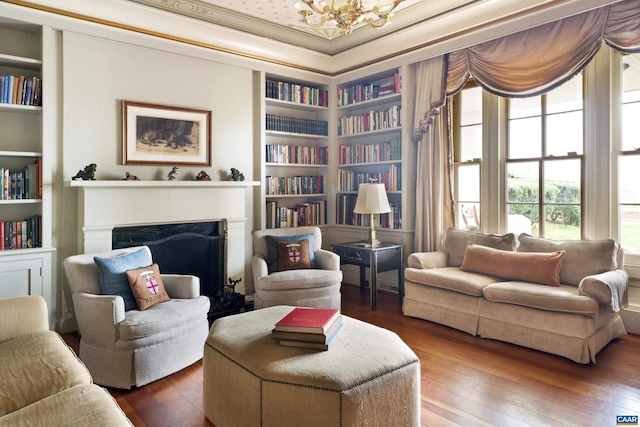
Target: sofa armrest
259,267
327,260
181,286
427,259
609,287
22,315
98,317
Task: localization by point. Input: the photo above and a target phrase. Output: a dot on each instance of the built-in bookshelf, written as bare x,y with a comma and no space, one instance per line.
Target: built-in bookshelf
296,153
369,148
26,140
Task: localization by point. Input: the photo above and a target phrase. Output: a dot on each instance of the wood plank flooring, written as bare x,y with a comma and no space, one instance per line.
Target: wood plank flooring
466,381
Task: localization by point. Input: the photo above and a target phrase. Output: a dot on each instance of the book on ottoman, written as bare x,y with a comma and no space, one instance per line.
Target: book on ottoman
309,320
306,336
314,345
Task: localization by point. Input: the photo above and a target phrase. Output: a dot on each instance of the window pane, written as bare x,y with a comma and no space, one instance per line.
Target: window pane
523,218
471,106
564,133
630,228
562,222
562,181
630,126
567,97
471,142
522,182
469,216
468,180
629,179
524,107
525,138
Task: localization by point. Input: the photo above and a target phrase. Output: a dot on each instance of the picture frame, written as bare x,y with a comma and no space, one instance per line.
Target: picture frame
155,134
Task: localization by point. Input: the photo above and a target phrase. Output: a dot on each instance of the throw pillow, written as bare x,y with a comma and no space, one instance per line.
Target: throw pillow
112,275
293,255
584,257
272,250
456,243
530,267
147,286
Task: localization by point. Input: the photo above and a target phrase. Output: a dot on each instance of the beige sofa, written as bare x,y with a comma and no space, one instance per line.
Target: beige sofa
43,383
493,287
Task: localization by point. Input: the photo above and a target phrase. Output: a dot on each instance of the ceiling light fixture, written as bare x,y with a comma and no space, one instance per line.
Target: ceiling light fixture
347,13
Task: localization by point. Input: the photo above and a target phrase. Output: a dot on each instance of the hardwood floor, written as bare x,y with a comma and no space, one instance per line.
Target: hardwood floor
466,381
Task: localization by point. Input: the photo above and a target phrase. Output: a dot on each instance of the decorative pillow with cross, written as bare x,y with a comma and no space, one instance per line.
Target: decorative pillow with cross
147,287
293,255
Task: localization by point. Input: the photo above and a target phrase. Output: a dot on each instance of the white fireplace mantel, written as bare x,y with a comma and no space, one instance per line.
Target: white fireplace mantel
104,205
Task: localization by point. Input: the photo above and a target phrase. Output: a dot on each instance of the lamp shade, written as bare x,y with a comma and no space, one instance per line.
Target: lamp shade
372,199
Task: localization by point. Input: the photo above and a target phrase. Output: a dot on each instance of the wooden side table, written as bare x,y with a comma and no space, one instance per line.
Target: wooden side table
385,257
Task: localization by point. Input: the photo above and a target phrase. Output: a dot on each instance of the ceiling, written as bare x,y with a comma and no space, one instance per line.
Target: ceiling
279,19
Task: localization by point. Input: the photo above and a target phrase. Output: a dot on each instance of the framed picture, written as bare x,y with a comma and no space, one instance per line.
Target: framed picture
165,135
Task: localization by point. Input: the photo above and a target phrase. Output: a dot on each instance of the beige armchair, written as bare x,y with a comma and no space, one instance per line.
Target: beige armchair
315,287
131,348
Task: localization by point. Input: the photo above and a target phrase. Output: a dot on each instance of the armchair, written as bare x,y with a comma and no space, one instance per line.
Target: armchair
314,287
122,348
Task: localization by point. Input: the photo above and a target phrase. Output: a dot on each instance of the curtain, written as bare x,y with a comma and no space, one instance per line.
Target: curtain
526,63
433,165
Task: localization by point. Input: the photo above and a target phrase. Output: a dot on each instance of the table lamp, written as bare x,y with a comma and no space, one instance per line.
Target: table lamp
372,199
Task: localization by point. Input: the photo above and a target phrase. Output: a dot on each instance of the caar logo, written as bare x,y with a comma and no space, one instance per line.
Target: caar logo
627,420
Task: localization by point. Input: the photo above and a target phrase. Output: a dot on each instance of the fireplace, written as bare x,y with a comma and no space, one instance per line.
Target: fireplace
196,248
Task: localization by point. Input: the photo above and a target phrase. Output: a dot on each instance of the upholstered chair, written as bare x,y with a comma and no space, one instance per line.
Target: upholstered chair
318,286
123,346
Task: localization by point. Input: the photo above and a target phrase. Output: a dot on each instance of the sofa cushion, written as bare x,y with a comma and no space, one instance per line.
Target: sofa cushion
533,267
299,279
79,406
450,278
293,255
583,257
112,274
456,243
35,366
564,298
147,287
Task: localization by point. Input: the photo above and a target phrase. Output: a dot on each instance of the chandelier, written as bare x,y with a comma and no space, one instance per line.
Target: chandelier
346,13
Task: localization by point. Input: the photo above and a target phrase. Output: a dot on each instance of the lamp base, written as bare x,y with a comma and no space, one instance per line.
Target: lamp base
370,243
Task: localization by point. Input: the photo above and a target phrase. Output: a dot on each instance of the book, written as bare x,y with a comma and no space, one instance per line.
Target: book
306,336
310,320
313,345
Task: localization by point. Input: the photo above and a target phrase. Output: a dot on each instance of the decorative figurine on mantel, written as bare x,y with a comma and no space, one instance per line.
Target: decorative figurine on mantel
236,175
202,176
173,174
130,177
86,174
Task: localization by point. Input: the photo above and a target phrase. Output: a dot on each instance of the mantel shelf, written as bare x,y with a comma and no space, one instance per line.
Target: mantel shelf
159,184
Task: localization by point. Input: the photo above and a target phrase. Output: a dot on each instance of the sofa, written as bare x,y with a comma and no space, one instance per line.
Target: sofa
43,382
560,297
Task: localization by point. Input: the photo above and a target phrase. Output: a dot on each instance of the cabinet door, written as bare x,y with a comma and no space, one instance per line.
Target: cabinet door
20,278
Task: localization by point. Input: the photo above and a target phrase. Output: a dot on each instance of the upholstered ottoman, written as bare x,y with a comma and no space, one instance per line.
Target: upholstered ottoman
368,377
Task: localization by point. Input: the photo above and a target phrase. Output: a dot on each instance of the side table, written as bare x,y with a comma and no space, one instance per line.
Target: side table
381,258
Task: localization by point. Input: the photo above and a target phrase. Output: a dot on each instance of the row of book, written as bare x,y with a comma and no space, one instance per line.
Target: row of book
296,154
21,234
302,184
294,92
367,91
349,180
367,122
308,213
25,184
370,153
21,90
345,203
298,125
314,328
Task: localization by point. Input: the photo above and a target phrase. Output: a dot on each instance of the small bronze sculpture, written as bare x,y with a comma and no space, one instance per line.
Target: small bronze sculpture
86,174
236,175
202,176
130,177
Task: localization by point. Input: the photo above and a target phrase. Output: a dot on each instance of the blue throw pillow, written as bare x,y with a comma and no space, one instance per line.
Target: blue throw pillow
112,274
272,250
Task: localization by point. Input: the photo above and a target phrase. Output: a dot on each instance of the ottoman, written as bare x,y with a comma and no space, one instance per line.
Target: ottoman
368,377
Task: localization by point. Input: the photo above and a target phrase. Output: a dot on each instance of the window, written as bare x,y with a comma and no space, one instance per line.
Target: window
629,160
467,156
544,163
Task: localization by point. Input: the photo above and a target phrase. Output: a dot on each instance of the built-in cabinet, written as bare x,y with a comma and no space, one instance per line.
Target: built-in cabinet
25,205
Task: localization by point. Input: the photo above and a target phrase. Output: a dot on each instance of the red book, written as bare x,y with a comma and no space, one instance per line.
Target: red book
308,320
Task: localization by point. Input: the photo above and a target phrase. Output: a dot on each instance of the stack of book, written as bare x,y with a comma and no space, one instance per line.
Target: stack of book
308,327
